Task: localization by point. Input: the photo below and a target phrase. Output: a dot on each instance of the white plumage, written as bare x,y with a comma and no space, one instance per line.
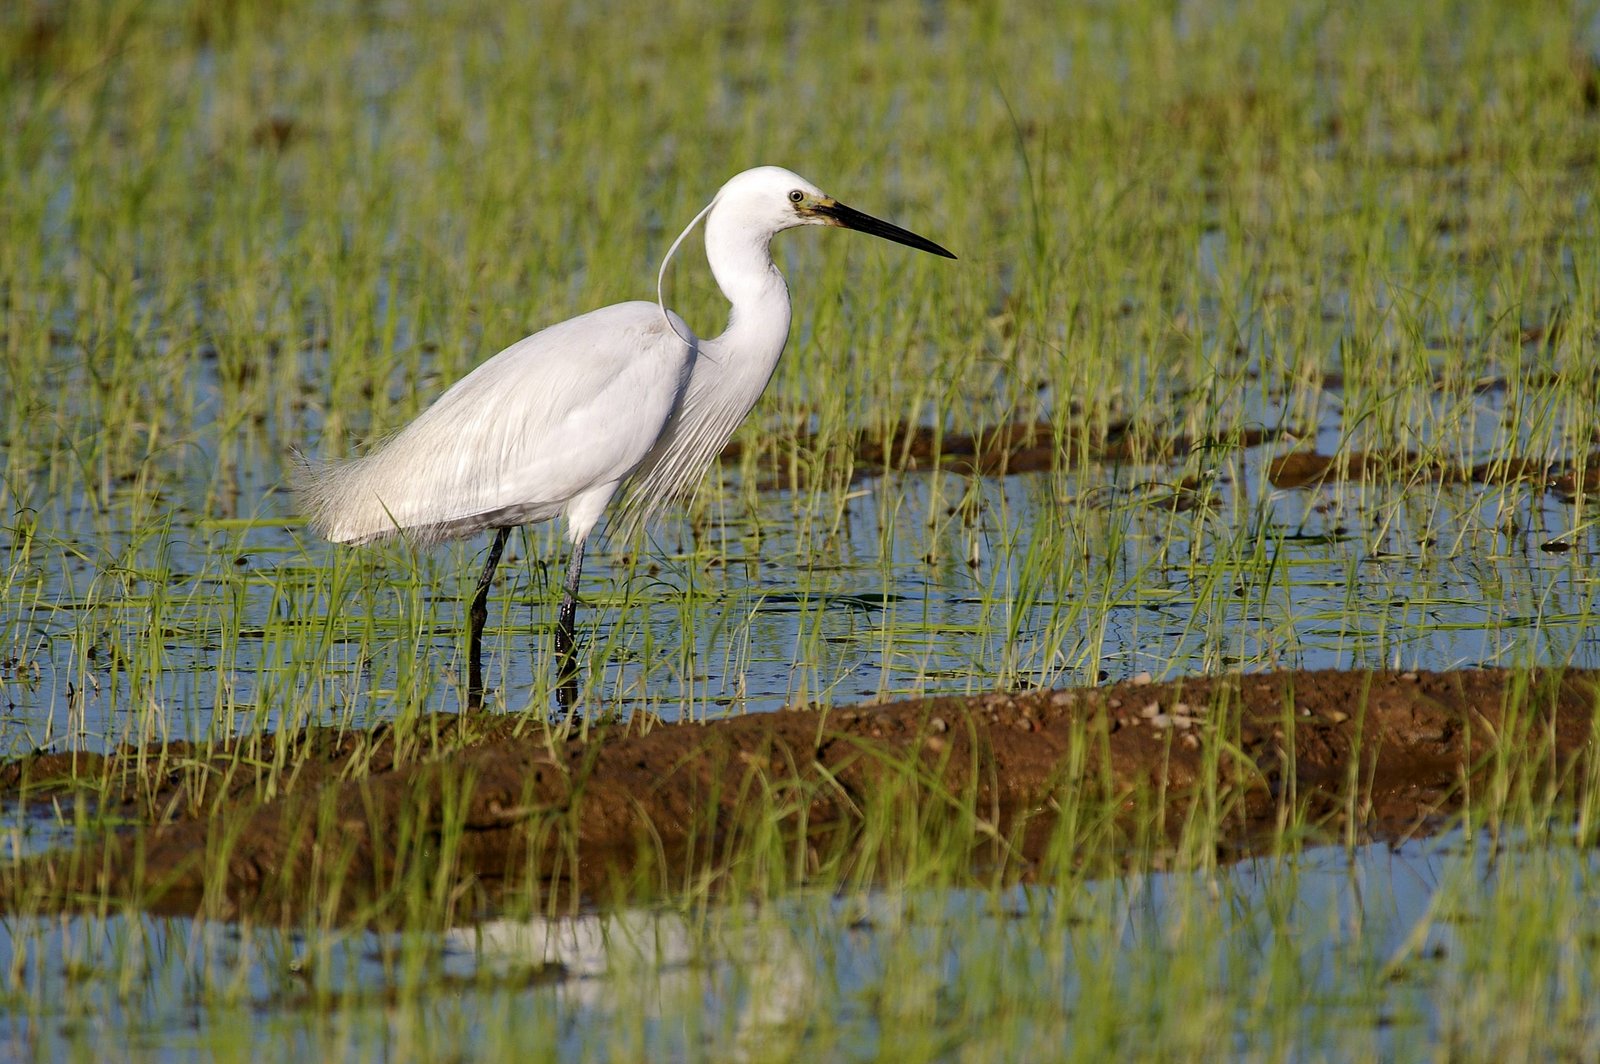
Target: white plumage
533,432
558,423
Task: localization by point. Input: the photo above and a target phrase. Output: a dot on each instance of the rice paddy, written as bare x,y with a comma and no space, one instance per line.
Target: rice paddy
1272,347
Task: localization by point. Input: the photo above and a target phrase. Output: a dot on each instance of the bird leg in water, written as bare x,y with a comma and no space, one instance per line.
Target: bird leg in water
479,614
566,619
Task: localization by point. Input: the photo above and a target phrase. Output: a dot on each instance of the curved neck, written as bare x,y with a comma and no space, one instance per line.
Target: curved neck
741,261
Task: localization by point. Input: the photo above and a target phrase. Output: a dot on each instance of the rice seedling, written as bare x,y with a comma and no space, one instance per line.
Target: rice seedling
1271,348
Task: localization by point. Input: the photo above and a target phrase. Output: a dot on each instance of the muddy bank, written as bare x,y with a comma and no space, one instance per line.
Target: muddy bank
1014,447
1040,446
1300,469
482,800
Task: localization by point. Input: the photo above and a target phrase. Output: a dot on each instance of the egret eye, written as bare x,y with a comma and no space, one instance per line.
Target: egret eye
796,196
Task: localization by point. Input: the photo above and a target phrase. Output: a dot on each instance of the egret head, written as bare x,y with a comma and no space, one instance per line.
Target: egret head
775,199
753,206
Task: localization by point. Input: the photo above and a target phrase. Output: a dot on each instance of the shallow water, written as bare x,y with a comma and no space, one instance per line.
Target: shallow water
155,583
904,583
1380,938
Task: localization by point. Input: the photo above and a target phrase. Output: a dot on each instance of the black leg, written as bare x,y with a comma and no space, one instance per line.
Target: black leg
479,614
566,618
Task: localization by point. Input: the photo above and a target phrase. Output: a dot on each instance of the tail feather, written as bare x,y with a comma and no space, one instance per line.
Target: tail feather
338,500
386,493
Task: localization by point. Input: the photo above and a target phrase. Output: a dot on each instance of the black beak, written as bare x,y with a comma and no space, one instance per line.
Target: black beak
850,218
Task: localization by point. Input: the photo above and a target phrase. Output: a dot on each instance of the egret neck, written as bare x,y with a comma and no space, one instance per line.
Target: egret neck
758,322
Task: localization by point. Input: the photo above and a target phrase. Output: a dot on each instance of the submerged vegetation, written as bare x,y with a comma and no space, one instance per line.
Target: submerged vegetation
1272,345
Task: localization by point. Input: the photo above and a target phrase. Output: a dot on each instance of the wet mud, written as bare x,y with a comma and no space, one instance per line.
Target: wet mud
1300,469
1040,446
1014,447
480,800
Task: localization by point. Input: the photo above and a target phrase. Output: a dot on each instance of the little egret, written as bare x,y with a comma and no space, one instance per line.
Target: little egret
624,397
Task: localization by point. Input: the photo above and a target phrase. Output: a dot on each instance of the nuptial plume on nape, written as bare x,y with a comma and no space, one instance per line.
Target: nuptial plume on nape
661,274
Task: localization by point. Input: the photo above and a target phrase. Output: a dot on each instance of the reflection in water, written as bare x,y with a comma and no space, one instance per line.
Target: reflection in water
1378,951
742,963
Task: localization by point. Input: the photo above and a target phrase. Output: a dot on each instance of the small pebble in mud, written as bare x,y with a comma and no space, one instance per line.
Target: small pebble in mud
1305,713
1160,721
1183,709
1337,716
1190,741
1150,710
1409,677
1114,703
938,725
1061,698
933,744
1141,678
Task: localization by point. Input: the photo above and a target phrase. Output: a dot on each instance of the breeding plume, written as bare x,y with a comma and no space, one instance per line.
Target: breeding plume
622,399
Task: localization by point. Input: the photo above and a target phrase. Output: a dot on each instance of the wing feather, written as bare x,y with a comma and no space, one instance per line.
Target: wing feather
565,411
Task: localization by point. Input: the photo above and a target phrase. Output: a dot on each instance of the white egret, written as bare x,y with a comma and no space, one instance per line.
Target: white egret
558,423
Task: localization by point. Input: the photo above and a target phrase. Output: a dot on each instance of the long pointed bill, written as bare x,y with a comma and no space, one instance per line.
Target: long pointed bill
850,218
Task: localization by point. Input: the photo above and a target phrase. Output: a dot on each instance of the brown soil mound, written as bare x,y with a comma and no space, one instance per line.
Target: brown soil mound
1040,446
1014,447
1301,469
1393,749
